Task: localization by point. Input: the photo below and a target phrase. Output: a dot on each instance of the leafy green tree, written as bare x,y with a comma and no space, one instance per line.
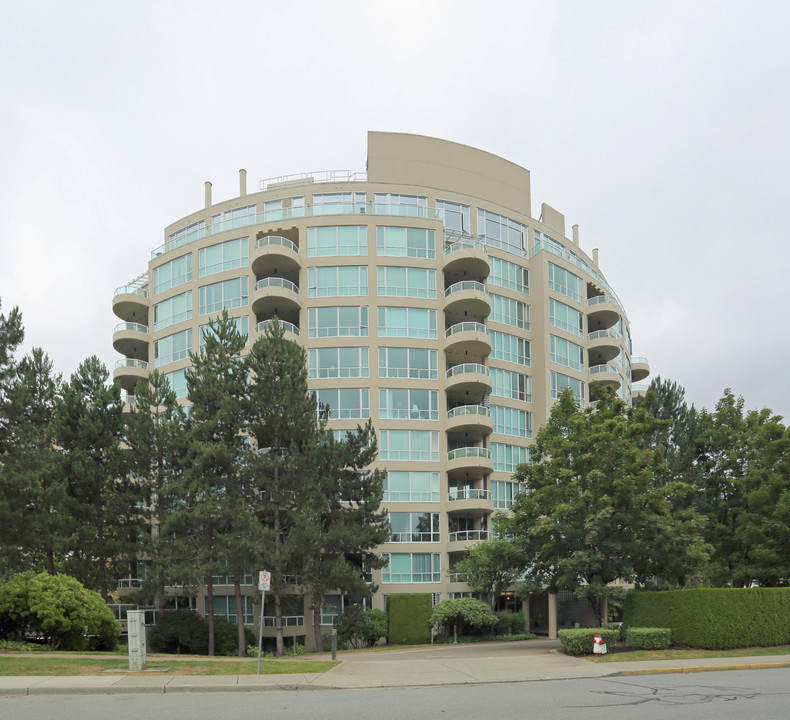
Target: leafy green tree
60,609
359,627
180,631
467,614
102,503
491,567
592,513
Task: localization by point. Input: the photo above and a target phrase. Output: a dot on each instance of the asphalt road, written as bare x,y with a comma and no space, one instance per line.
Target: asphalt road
757,694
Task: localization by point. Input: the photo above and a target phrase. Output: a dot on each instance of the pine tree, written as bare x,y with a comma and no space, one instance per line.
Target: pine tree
11,336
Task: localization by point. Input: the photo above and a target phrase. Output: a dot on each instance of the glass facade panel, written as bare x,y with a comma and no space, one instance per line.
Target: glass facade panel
405,242
408,404
237,217
173,273
407,322
414,527
414,363
511,385
172,348
507,458
509,311
338,321
242,325
504,493
509,348
345,403
420,445
562,281
407,205
406,282
502,232
224,256
511,421
565,352
224,295
225,606
337,240
454,216
345,362
411,568
566,318
337,281
508,275
405,486
560,381
173,310
178,382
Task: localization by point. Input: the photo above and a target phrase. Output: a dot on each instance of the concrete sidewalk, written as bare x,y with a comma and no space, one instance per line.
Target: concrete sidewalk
443,669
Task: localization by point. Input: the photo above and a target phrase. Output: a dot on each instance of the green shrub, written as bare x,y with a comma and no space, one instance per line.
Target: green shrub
648,638
580,641
510,623
226,637
359,627
620,627
714,618
409,618
470,616
380,618
180,631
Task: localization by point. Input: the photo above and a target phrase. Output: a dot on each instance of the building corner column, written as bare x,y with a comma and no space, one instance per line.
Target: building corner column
552,616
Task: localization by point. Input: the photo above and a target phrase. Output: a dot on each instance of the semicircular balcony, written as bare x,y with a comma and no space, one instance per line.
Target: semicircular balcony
131,339
467,339
467,383
291,330
128,372
275,254
463,539
639,390
473,421
470,463
469,502
640,368
274,296
604,346
131,304
466,257
603,312
467,297
606,374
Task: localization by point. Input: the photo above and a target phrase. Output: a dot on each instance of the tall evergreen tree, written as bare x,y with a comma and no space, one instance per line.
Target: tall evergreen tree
11,336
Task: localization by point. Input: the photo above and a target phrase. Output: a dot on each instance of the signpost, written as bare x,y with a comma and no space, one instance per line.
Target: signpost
264,584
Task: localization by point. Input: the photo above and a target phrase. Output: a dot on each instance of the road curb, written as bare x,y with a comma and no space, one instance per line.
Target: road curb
705,668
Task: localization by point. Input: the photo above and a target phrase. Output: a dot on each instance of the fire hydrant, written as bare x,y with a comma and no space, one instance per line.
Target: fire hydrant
599,646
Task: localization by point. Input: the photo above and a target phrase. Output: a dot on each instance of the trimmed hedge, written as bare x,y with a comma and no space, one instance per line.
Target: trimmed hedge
714,618
580,641
648,638
409,618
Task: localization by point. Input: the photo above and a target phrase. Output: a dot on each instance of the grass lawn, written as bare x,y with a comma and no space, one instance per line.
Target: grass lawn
685,654
11,664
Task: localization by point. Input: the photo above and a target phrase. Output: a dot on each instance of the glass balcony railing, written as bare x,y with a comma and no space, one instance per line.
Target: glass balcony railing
596,369
466,327
465,285
463,410
413,537
469,494
469,452
640,360
277,282
288,620
465,244
277,240
604,334
467,368
132,327
639,388
129,399
287,326
602,299
131,363
129,290
463,535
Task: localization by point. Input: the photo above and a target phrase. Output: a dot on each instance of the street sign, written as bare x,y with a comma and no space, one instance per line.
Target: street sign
264,580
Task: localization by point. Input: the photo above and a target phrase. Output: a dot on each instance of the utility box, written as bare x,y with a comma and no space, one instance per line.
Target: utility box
136,630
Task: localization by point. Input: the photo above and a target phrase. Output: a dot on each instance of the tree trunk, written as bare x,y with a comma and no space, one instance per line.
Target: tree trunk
277,573
102,565
50,561
210,610
239,614
317,622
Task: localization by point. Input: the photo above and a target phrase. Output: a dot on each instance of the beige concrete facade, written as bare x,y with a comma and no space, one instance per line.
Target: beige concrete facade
505,309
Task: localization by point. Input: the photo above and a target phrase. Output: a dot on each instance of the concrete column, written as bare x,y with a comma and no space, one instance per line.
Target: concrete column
552,616
208,194
242,182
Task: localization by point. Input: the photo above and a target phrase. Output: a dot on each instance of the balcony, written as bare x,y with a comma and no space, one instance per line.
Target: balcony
467,340
640,368
463,539
131,304
469,462
606,375
472,420
467,383
275,254
466,257
639,390
275,296
131,339
604,346
291,331
603,312
470,502
128,372
468,297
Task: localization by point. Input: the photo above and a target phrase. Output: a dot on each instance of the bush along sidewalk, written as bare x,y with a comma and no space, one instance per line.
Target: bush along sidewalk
579,641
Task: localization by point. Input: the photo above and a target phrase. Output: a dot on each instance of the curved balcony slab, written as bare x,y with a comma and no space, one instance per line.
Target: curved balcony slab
128,372
640,368
463,539
472,420
131,304
606,375
469,298
131,339
467,382
275,296
274,254
468,339
291,331
470,502
466,256
469,462
603,312
604,346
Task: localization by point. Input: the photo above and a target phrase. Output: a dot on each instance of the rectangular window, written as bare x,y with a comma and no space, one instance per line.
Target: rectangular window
414,363
273,210
337,281
225,606
405,242
345,362
235,218
407,205
411,568
336,603
227,580
408,404
337,240
511,385
560,382
224,295
178,382
407,322
509,348
224,256
507,458
501,232
173,273
406,282
565,352
187,234
345,403
509,311
415,486
338,321
414,527
419,445
504,493
454,216
508,275
562,281
173,310
242,325
172,348
510,421
344,203
566,318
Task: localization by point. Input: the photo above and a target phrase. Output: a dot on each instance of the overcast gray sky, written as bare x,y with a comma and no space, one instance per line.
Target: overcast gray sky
661,128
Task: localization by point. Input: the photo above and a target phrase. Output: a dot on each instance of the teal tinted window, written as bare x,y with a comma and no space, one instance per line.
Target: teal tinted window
337,281
565,352
344,362
509,348
224,256
337,240
415,363
173,310
407,322
405,242
173,273
406,282
408,404
338,321
224,295
566,318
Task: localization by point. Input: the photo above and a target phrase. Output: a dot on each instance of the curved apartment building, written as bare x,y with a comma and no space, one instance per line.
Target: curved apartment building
427,297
